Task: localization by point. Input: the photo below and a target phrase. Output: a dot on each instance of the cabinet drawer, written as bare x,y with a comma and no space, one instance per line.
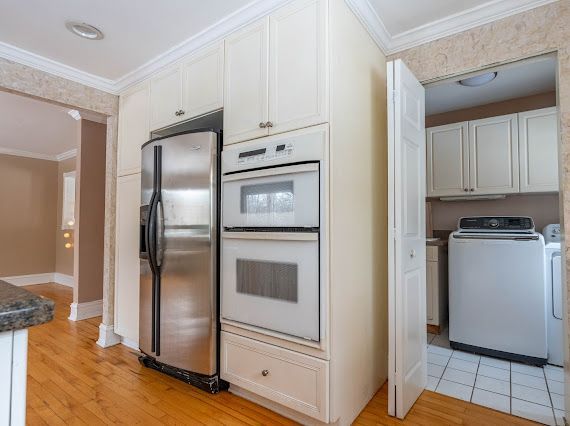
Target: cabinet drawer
432,253
297,381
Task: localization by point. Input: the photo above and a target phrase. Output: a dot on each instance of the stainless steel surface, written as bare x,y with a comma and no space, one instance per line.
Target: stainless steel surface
187,247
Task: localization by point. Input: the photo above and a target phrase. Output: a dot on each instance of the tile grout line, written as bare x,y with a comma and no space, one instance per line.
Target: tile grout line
475,381
549,396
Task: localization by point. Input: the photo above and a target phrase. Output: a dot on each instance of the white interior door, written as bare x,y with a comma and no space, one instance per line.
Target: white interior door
407,375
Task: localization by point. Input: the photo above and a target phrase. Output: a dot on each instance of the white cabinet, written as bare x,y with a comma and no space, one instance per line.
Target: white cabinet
276,73
127,265
133,128
436,288
494,155
538,150
509,154
188,89
447,160
246,83
165,98
297,60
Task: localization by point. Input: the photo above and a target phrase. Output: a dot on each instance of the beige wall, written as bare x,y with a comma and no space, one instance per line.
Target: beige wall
28,197
63,256
527,103
90,213
543,208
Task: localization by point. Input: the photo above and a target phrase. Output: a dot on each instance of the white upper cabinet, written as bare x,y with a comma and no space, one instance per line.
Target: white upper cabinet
188,89
538,150
447,160
133,128
276,73
165,97
203,82
246,83
297,60
494,155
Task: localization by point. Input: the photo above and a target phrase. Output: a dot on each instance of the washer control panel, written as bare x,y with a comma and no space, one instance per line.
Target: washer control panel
268,153
496,223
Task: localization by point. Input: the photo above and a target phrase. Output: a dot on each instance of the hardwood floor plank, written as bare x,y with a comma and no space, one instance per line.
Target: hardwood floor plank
73,381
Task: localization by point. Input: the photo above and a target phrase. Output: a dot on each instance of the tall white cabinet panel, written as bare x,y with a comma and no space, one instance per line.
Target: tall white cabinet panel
133,128
297,66
165,95
246,83
127,264
203,82
447,160
538,150
494,155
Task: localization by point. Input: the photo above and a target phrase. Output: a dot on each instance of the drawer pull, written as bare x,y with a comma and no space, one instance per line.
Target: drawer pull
264,373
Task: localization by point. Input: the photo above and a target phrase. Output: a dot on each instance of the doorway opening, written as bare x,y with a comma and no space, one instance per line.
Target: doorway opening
53,191
493,267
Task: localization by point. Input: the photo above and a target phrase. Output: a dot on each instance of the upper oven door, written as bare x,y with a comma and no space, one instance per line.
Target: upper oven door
277,197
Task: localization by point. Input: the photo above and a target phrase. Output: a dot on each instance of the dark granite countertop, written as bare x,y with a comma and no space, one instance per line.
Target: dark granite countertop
20,308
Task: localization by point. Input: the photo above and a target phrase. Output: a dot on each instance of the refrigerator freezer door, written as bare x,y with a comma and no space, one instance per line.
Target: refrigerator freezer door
188,242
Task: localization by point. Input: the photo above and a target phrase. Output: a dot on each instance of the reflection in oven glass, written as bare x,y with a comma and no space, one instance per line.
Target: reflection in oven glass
267,198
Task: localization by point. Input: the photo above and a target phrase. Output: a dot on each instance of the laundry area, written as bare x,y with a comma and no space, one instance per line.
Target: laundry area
494,248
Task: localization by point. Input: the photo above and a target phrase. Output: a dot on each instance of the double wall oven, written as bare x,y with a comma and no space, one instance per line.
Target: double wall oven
272,198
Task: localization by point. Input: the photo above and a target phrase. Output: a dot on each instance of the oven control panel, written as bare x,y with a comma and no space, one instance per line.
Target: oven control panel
268,153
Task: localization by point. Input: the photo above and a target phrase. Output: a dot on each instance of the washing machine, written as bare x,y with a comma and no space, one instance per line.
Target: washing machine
553,276
497,292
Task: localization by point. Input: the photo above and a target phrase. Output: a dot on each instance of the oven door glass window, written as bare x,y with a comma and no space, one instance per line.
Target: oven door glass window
278,197
271,281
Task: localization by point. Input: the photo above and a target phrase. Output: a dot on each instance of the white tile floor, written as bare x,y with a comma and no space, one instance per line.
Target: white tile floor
522,390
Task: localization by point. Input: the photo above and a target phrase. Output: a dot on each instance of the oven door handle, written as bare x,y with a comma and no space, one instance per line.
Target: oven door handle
285,236
274,171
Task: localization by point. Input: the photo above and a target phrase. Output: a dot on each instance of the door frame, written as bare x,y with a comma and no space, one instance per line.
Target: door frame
562,194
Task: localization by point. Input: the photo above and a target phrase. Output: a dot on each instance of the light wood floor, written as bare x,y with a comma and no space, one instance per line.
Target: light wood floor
71,380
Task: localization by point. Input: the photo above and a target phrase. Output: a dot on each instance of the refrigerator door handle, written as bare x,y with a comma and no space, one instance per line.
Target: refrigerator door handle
159,233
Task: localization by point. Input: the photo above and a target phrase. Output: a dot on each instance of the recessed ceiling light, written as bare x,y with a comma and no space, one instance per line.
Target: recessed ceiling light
478,80
84,30
75,114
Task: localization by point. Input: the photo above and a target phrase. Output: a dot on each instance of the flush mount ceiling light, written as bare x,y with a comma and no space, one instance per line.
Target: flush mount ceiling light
75,114
84,30
478,80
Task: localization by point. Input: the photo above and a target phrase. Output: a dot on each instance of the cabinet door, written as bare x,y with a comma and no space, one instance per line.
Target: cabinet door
133,128
245,89
538,149
297,66
203,82
494,155
447,160
127,262
165,98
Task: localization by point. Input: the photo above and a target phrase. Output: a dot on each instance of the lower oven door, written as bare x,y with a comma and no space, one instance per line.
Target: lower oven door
271,280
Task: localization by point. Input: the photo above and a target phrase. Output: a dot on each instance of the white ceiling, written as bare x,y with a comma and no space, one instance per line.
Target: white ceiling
35,128
135,31
142,36
513,81
403,15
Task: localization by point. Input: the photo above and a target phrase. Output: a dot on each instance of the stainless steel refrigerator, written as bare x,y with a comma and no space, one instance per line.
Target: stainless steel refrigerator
179,249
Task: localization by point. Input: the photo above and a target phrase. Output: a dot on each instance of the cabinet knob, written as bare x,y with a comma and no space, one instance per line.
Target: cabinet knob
269,124
472,189
264,373
262,125
177,113
466,189
182,112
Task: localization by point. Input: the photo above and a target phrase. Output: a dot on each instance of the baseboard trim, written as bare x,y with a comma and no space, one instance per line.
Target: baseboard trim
85,310
107,336
130,344
47,277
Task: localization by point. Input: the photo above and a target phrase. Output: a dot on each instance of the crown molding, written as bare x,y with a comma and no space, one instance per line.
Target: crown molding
453,24
39,156
21,56
462,21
